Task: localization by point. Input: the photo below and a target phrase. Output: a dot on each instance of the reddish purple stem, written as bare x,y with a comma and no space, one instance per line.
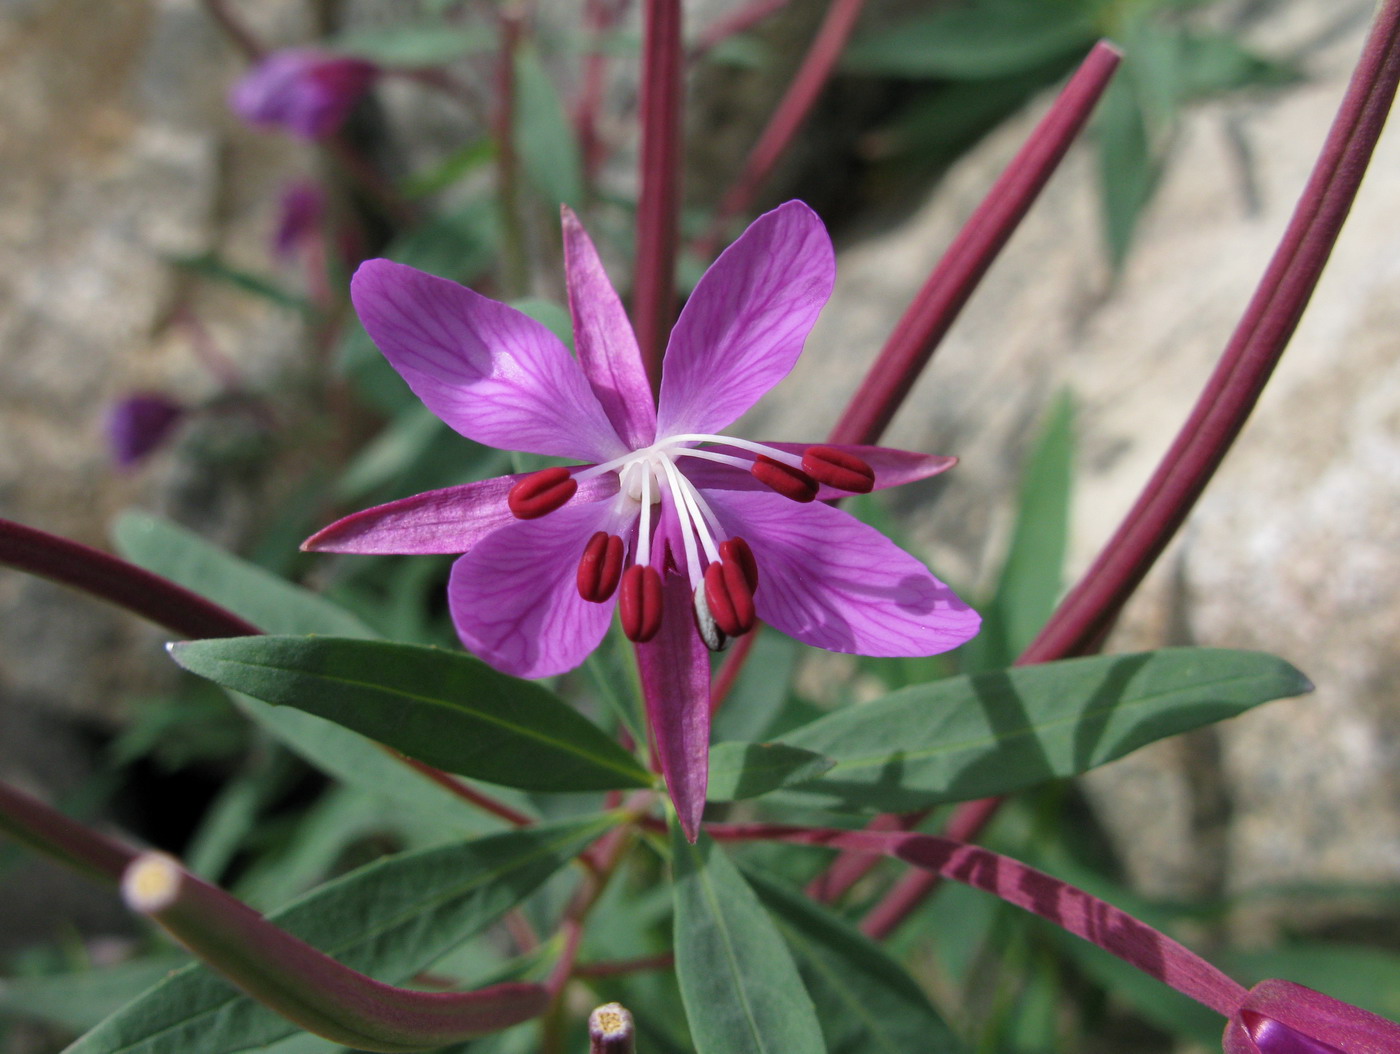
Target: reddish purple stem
939,302
126,585
1073,910
658,205
1086,614
791,113
48,831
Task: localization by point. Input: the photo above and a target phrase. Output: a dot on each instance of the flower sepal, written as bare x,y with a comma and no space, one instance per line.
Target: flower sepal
1280,1017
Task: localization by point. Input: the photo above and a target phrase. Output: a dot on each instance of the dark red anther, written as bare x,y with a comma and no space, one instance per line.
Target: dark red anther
639,602
838,468
600,568
541,493
736,550
788,481
729,598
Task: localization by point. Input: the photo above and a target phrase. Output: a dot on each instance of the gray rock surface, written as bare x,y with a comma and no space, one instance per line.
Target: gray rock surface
1293,547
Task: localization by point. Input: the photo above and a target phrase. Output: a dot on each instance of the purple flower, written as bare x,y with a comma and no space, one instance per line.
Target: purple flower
140,423
661,495
299,218
1280,1017
307,92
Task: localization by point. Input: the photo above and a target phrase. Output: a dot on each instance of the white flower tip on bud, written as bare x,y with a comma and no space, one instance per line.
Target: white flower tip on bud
610,1030
151,883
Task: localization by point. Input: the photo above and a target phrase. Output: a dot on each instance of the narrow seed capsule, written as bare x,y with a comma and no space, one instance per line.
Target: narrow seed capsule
728,597
737,550
788,481
600,568
639,602
838,468
540,493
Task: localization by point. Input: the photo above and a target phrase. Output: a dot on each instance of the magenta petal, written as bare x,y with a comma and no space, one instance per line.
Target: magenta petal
835,583
742,329
1237,1040
308,93
604,341
1281,1017
675,669
451,520
515,600
490,372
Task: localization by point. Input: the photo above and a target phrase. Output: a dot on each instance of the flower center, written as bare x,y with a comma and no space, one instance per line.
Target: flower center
722,570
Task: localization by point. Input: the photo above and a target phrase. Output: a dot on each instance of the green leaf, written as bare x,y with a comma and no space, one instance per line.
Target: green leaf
445,708
548,150
1127,171
1030,579
270,603
80,1000
741,989
756,699
389,919
977,42
746,770
215,269
1216,62
991,733
414,44
867,1003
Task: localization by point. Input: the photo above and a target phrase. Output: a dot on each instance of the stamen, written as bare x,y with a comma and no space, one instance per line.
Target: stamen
737,551
601,567
639,602
540,493
838,468
728,597
771,452
788,481
705,624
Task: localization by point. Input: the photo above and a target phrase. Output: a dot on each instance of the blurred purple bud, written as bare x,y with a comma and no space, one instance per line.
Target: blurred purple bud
299,217
1280,1017
610,1030
138,424
306,92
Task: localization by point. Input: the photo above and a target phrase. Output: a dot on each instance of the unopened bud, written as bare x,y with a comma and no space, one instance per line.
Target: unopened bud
610,1030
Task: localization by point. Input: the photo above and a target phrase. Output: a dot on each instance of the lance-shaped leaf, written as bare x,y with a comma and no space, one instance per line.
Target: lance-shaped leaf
746,770
866,1002
991,733
444,708
742,993
408,911
307,986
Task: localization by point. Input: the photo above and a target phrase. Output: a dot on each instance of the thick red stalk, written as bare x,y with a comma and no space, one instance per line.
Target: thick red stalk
791,113
126,585
303,983
71,843
1073,910
161,601
658,204
957,274
1248,360
1086,614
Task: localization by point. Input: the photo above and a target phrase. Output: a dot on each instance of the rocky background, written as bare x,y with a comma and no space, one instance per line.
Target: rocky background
117,153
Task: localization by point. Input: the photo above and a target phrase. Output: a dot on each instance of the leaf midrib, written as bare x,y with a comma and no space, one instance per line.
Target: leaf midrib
843,765
564,745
